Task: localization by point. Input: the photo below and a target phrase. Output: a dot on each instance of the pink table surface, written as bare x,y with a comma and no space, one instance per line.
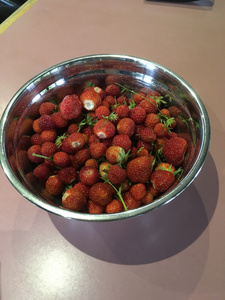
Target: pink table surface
176,252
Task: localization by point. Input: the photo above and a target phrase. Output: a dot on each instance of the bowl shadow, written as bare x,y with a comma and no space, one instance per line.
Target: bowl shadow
151,237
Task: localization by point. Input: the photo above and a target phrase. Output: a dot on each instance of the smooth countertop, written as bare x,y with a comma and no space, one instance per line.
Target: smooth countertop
176,252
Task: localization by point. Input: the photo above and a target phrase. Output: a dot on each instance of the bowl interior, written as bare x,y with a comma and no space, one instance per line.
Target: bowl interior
67,78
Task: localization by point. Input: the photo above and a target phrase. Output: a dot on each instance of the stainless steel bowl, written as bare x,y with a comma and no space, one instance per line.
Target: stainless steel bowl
65,78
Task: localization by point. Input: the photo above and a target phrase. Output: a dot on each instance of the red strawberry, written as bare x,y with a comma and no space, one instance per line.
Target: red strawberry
100,193
47,108
54,185
88,175
73,199
122,100
46,122
65,147
110,99
148,198
142,144
70,107
142,152
162,180
48,149
139,169
149,104
165,112
123,141
174,111
97,150
104,129
166,166
126,126
174,150
91,163
35,149
151,120
115,206
116,174
72,128
102,111
138,191
36,139
130,202
83,188
94,139
61,159
115,154
138,114
36,126
82,156
42,172
100,91
113,90
94,208
49,135
138,97
160,130
60,122
122,111
147,135
90,99
68,175
76,141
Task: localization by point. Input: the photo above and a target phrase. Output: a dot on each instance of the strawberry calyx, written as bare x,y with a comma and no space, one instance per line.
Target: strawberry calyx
60,139
178,171
87,120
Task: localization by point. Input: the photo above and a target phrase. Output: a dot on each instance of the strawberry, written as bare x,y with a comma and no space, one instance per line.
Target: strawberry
100,91
100,193
165,112
93,139
160,130
88,175
65,147
54,185
91,163
115,155
68,175
174,150
72,128
60,122
148,198
151,120
126,126
130,202
115,206
42,172
47,108
46,122
36,126
146,145
123,141
113,90
147,135
110,99
138,114
82,156
49,135
149,104
97,150
73,199
90,99
102,111
138,191
76,141
116,174
142,152
48,149
122,100
122,111
138,97
162,180
36,139
94,208
165,166
104,129
83,188
61,159
174,111
104,168
70,107
35,149
139,169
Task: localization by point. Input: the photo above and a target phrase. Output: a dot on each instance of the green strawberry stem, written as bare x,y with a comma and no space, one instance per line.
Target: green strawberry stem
42,156
118,192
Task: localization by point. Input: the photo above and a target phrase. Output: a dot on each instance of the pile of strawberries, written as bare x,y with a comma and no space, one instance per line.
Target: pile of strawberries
107,150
